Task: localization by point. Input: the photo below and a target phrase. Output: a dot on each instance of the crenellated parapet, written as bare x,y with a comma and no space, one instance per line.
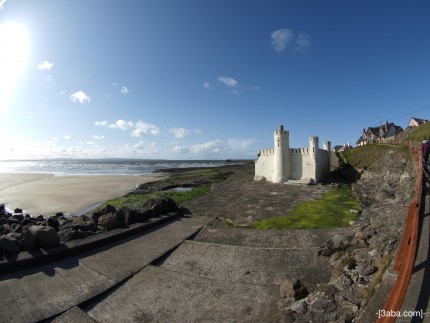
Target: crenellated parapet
267,152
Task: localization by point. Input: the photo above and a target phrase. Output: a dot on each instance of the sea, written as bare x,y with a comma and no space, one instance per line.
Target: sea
82,167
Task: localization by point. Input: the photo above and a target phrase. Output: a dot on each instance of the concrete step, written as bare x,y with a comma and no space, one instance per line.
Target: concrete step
159,295
243,264
304,238
44,291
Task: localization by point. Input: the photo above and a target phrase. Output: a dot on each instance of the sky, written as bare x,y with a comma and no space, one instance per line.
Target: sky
205,79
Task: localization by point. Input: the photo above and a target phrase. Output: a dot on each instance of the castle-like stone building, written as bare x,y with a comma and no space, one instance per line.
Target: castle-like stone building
283,163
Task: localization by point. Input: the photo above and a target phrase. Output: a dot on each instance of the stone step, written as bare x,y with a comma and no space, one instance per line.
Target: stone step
159,295
243,264
303,238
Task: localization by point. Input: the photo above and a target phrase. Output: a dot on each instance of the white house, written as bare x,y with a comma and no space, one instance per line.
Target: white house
283,163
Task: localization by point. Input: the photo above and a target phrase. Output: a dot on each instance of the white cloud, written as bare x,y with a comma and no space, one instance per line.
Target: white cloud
124,90
281,38
96,137
103,123
80,97
240,145
122,125
207,85
303,43
47,66
179,132
2,2
145,129
228,81
214,146
181,150
198,131
139,145
67,137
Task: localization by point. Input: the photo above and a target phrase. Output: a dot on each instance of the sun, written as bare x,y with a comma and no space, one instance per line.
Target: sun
14,52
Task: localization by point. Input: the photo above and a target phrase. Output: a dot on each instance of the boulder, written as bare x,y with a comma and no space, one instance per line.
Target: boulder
365,269
70,234
53,222
28,241
343,282
84,223
9,244
45,236
159,205
130,216
17,210
293,288
112,221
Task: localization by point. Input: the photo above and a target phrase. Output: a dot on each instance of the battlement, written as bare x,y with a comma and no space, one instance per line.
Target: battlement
299,151
267,152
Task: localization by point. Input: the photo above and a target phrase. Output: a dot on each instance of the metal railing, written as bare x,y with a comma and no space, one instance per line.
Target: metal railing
405,259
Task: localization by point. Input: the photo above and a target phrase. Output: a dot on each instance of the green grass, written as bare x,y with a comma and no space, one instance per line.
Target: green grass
132,201
420,133
364,156
330,211
137,201
180,197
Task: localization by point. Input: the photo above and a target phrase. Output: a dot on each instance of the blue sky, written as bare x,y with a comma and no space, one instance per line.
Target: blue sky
205,79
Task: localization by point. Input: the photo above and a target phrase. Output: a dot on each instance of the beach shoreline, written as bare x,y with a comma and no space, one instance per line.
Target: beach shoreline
47,194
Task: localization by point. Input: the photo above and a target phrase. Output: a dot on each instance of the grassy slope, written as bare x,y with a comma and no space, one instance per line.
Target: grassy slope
332,210
420,133
364,156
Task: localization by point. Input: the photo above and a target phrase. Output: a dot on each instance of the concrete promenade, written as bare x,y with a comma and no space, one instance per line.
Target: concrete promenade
41,292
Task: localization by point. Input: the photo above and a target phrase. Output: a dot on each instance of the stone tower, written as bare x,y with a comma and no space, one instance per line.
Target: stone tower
281,169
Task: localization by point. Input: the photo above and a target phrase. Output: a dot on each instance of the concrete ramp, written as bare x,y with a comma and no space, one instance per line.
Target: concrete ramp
44,291
159,295
303,238
239,263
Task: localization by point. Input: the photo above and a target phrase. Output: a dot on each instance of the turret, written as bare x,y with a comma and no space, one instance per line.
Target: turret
281,170
327,146
313,145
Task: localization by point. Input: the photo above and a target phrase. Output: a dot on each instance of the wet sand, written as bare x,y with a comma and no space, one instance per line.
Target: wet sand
47,194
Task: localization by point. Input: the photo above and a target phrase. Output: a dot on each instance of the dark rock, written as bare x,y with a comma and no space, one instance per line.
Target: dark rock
59,214
46,236
17,210
159,205
53,222
70,234
130,216
28,241
84,223
28,221
293,288
9,244
365,269
13,219
16,227
112,221
5,229
343,282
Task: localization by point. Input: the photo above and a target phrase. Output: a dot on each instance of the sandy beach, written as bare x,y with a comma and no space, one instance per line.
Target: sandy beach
48,194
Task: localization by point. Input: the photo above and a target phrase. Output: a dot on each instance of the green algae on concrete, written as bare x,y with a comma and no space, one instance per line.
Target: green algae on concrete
330,211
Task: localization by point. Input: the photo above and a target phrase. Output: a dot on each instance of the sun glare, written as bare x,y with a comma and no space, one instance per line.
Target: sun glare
14,51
